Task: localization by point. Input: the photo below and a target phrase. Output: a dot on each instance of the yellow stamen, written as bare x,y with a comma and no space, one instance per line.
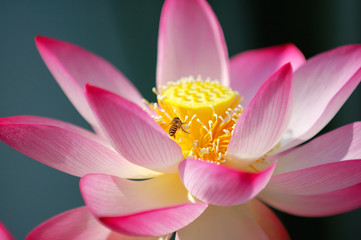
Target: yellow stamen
213,110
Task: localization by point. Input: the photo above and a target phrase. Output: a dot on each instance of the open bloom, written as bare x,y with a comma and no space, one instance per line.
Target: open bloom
223,133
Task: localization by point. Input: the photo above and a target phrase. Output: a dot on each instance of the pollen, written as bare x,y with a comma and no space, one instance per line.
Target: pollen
207,112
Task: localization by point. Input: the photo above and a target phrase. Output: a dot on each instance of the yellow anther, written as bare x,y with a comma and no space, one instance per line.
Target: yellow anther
212,108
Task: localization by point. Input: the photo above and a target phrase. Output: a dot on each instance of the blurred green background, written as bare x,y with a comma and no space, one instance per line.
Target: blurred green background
125,33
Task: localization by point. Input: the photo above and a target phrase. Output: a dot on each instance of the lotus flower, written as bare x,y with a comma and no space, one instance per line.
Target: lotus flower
4,233
223,135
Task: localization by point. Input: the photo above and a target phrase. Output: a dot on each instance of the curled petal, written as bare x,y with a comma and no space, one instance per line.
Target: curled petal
133,133
250,69
220,185
249,221
263,122
341,144
317,180
140,208
190,42
76,224
327,79
318,205
66,147
73,67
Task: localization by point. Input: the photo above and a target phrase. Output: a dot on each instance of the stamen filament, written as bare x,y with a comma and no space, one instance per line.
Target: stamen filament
207,102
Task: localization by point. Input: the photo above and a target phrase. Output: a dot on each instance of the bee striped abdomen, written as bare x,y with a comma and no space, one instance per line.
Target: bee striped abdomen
172,130
175,125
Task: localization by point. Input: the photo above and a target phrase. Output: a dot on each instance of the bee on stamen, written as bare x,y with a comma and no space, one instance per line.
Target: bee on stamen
176,124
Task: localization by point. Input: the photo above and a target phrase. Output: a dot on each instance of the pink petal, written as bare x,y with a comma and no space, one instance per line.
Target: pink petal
135,135
319,205
321,86
66,147
250,69
249,221
263,122
219,185
267,220
73,67
319,179
190,42
341,144
140,208
4,233
76,224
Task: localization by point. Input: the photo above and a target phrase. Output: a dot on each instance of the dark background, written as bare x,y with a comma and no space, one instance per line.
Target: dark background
125,33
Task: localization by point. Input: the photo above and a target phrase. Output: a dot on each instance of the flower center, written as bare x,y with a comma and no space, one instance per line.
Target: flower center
188,97
199,115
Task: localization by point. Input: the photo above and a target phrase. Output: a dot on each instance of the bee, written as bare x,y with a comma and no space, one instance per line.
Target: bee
176,124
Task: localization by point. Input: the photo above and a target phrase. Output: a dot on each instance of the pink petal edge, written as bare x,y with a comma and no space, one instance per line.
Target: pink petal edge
219,185
73,67
327,79
319,205
263,122
76,224
158,206
155,222
319,179
4,233
133,133
250,69
204,53
252,220
267,220
66,147
341,144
